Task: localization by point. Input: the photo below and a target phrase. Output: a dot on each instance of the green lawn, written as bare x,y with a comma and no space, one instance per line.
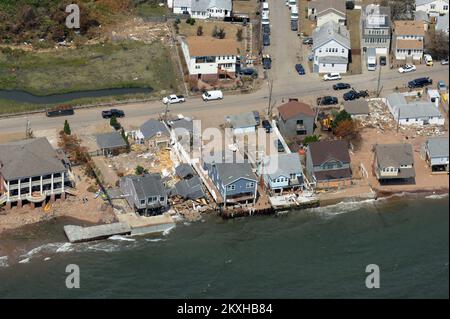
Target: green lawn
91,67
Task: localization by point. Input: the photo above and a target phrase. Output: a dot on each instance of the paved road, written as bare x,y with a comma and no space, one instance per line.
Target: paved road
285,49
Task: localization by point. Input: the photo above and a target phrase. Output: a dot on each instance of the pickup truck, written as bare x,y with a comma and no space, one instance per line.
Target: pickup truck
112,112
172,99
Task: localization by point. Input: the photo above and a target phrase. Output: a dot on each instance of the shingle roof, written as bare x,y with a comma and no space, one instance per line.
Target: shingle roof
294,108
408,44
331,31
438,146
422,2
229,172
324,151
394,155
152,127
343,173
110,140
408,27
209,46
282,165
182,3
395,99
418,110
184,170
28,158
203,5
333,59
323,5
189,188
242,120
421,16
357,107
147,185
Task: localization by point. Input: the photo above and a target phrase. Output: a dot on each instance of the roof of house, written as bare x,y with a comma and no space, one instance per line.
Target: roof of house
394,155
438,146
182,124
209,46
324,151
442,23
184,170
147,185
242,120
294,108
408,27
421,16
423,2
152,128
203,5
323,5
189,188
28,158
230,172
408,44
182,3
357,107
282,165
331,31
333,59
377,16
396,99
418,110
343,173
110,140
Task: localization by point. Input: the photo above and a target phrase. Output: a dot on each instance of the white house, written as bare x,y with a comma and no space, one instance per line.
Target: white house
408,37
331,48
418,113
327,10
243,123
209,59
432,7
203,9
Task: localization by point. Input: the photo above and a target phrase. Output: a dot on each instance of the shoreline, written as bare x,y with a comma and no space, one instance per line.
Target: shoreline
379,195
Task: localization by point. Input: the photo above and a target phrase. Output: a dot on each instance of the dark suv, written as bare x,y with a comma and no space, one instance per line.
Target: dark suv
112,112
267,126
341,86
419,83
353,94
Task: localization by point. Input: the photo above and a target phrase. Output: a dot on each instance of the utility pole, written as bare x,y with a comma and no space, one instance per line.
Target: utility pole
398,119
28,131
269,107
165,112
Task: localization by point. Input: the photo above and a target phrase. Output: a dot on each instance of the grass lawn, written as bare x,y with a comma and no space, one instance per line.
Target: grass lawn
152,10
306,26
353,23
91,67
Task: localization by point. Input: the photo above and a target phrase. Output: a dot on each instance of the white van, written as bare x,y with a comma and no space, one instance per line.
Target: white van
212,95
292,3
265,18
332,76
294,12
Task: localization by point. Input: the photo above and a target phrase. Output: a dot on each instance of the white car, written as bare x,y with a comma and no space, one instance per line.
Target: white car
444,62
407,68
332,76
172,99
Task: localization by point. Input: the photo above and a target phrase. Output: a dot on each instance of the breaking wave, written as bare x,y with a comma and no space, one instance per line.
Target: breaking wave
122,238
342,207
4,261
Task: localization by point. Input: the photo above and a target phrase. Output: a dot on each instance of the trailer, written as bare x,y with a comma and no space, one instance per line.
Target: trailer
61,110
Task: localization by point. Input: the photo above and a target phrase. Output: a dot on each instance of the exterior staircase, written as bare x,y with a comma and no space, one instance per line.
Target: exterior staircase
2,199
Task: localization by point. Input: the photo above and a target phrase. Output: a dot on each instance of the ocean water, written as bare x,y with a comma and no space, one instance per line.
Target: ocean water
316,253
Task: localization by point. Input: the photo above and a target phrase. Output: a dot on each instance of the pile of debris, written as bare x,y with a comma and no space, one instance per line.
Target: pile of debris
379,118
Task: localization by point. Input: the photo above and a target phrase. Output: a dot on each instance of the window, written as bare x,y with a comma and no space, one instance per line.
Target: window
162,198
299,122
250,185
142,201
231,187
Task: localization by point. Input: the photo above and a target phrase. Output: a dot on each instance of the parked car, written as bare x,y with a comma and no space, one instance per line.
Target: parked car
332,76
249,72
353,94
266,29
327,100
112,112
441,86
212,95
444,62
382,60
172,99
308,41
420,82
341,86
407,68
294,25
428,59
349,5
299,68
266,40
257,117
267,62
267,126
280,146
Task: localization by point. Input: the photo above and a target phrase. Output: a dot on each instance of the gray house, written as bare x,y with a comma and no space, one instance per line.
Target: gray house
282,172
110,143
295,119
154,133
236,182
376,29
394,163
242,123
436,154
145,194
328,164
